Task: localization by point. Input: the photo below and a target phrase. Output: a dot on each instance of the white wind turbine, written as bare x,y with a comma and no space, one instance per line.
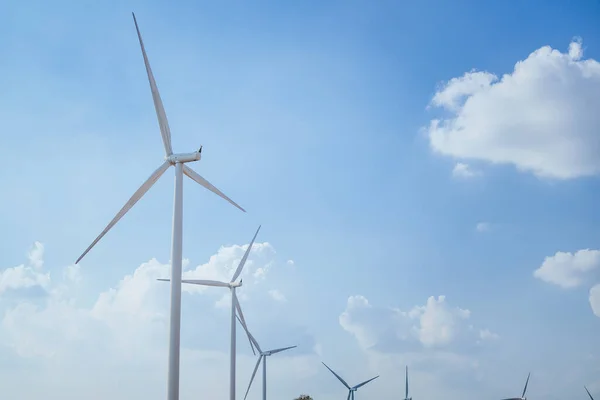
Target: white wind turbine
261,357
235,305
524,390
177,160
352,389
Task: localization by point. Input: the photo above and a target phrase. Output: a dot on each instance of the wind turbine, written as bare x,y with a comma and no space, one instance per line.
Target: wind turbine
352,389
406,391
179,161
232,285
262,357
524,390
588,392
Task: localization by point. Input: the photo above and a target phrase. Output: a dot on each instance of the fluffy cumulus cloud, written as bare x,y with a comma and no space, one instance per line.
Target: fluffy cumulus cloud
26,276
541,118
114,346
436,324
566,269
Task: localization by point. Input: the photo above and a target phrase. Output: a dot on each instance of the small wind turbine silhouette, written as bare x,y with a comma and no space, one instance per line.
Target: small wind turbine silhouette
524,390
588,392
406,391
235,305
179,161
262,357
352,389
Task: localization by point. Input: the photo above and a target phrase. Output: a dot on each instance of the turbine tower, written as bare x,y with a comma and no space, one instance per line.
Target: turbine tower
262,357
524,390
178,161
406,390
352,389
232,285
588,392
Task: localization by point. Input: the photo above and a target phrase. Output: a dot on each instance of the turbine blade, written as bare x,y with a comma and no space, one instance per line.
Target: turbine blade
336,375
205,282
588,392
349,393
253,374
165,131
406,395
249,340
238,271
194,176
282,349
240,316
130,203
526,383
365,382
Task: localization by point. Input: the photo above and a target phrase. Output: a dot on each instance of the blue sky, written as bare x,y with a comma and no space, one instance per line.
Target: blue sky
317,119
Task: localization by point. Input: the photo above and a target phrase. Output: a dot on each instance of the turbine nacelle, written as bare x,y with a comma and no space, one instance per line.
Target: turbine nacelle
184,157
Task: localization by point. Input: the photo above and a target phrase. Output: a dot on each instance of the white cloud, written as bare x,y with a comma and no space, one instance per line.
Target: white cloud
464,171
36,255
121,336
277,295
439,323
595,300
483,227
566,269
541,118
435,324
290,263
26,276
486,334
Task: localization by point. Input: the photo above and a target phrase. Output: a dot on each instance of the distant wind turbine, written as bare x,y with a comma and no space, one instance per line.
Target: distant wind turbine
232,285
524,390
352,389
588,392
262,357
406,391
177,160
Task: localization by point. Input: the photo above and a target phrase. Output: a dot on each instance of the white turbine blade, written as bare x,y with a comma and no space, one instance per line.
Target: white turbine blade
198,282
249,340
282,349
253,374
337,376
194,176
238,271
526,383
349,393
204,282
365,382
588,392
130,203
240,317
406,394
243,322
158,105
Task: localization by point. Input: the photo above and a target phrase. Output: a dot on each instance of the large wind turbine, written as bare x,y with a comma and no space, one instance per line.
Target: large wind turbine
177,160
261,357
232,285
406,391
588,392
524,390
352,389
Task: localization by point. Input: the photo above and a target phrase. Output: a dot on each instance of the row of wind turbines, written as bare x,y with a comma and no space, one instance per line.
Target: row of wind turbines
179,161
